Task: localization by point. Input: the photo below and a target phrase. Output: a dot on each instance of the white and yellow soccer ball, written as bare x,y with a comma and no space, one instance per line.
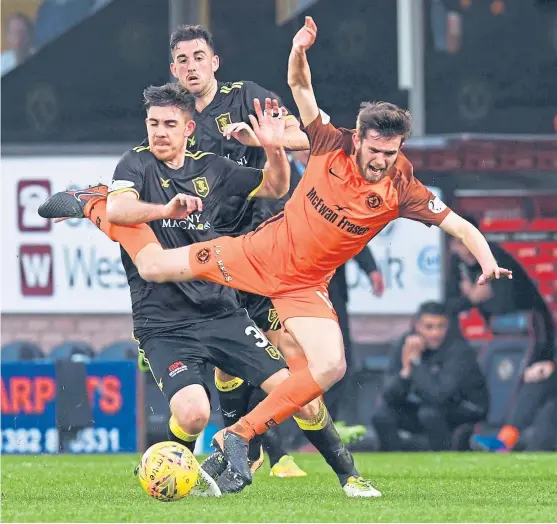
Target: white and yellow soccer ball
168,471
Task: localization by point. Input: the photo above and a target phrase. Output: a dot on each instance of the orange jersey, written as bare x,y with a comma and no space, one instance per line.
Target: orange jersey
334,212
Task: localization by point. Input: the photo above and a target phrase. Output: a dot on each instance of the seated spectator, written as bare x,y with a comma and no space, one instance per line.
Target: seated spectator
495,298
436,384
498,297
535,406
20,41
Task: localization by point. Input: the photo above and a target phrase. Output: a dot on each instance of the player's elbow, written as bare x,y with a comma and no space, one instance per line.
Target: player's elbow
281,189
114,213
273,190
282,183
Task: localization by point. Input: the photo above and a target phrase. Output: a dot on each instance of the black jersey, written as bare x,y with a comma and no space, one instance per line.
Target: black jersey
233,102
208,176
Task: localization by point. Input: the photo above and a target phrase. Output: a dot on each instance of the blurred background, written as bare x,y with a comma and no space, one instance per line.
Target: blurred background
480,77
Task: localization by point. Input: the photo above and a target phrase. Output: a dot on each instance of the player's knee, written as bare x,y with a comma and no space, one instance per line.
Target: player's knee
151,272
149,263
191,408
310,411
329,369
149,269
192,419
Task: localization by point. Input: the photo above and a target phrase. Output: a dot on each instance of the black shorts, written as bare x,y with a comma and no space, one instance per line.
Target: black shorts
231,342
261,311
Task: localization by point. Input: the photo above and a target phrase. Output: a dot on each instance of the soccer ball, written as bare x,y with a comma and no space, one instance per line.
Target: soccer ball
168,471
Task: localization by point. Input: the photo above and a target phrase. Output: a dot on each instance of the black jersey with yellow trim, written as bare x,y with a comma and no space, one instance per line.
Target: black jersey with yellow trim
208,176
233,103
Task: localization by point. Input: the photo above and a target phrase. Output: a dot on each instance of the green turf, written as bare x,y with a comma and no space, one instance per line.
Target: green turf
464,487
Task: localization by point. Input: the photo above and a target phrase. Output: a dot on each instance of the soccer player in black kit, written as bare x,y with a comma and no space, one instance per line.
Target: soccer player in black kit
223,127
182,326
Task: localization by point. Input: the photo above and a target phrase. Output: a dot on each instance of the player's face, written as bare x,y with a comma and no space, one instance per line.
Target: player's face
194,65
376,154
433,329
167,129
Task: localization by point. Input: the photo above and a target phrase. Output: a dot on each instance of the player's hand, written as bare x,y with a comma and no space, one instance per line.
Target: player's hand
377,283
241,132
268,127
494,273
182,206
306,36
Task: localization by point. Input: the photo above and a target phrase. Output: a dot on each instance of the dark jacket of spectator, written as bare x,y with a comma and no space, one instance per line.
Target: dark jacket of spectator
446,376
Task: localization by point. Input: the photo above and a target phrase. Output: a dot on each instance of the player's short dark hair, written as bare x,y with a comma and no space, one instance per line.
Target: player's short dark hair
387,119
186,33
169,95
431,308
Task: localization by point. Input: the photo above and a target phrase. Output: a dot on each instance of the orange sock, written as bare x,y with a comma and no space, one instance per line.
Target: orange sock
132,238
296,363
509,436
287,399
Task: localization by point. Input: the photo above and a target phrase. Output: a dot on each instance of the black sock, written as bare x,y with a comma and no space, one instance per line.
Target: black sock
272,445
234,398
177,434
322,433
234,395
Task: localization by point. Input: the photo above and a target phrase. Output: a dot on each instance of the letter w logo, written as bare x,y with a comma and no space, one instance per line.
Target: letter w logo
36,269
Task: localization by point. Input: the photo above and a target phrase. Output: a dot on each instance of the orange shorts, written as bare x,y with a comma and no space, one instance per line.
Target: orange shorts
224,261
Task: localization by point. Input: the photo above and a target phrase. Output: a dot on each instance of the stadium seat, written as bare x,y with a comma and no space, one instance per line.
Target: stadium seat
122,350
370,363
21,351
503,359
73,350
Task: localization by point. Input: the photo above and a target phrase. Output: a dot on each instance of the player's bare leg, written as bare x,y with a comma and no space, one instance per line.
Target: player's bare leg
294,356
153,262
321,431
285,399
190,410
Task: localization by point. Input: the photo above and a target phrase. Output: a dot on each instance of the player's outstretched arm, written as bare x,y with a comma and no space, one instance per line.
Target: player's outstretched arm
460,228
294,138
125,209
299,74
269,129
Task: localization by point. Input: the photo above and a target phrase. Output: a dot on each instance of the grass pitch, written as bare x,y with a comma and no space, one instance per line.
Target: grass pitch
427,487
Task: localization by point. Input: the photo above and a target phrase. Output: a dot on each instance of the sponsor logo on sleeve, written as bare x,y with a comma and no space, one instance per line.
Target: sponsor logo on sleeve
436,205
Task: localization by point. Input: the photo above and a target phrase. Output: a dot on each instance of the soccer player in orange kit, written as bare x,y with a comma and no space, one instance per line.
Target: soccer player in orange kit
356,182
